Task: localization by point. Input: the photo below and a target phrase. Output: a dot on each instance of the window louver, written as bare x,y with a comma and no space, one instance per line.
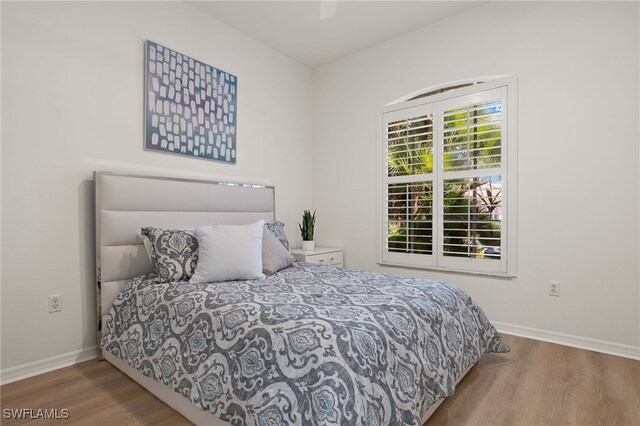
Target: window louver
472,213
409,195
409,219
410,146
472,137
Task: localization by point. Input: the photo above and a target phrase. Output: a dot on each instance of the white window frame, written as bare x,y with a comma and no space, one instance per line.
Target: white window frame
437,261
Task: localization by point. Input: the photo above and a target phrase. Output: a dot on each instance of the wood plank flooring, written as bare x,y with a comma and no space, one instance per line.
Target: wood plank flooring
95,393
536,383
540,383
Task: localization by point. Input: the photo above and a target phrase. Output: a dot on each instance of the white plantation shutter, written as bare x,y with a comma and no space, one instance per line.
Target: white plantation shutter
472,135
445,182
410,206
471,217
410,146
408,186
471,181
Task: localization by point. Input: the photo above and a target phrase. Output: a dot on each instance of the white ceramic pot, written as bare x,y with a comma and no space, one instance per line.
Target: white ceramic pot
308,245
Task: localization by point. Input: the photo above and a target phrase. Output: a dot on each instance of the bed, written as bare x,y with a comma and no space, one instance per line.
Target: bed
310,344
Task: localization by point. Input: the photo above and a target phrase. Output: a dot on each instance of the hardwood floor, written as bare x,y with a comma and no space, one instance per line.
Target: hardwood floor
540,383
95,393
536,383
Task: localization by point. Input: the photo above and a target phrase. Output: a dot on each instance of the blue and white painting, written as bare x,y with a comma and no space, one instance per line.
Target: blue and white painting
190,106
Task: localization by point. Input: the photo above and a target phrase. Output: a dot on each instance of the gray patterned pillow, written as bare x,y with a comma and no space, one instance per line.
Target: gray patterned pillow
277,229
174,252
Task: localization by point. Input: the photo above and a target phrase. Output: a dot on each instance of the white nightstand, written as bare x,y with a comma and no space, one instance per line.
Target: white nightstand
320,255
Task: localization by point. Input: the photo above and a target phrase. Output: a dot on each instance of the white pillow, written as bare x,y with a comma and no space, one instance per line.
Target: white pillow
274,255
229,252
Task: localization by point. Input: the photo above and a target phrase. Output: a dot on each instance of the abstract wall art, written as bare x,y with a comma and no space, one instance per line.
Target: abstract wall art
190,107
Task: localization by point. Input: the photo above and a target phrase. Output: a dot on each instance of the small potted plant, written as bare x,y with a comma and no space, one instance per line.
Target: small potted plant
306,230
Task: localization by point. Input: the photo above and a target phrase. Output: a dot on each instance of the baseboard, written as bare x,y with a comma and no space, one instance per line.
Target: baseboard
603,346
30,369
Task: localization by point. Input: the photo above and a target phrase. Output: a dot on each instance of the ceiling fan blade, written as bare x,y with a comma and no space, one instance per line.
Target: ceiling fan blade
328,8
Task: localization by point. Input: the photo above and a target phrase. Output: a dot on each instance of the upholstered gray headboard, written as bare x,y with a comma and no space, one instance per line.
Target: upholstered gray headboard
125,203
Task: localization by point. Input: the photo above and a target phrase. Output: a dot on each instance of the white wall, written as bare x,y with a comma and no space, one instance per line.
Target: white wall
72,76
577,65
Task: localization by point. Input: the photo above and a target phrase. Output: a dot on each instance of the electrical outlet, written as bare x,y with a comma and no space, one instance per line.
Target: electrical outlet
554,288
55,303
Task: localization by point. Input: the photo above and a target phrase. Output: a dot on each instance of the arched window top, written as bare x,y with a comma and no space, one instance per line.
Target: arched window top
444,87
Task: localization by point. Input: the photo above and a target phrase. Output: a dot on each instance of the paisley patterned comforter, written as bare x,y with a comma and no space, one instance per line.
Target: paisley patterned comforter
311,344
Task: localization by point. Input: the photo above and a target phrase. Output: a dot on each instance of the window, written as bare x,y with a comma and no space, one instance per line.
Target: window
448,180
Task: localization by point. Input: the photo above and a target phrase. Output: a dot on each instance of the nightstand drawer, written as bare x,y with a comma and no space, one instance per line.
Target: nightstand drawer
320,255
334,258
